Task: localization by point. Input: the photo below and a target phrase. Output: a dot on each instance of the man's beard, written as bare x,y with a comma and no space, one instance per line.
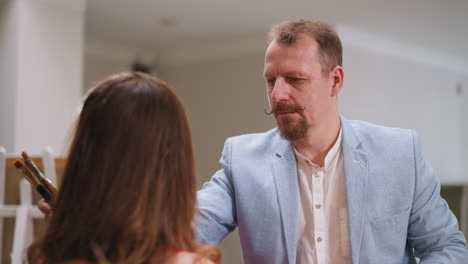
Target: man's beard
288,129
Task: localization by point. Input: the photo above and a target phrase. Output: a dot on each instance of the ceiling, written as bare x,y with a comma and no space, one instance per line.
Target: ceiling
151,25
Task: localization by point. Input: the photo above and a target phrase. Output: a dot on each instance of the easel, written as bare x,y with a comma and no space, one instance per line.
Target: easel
25,212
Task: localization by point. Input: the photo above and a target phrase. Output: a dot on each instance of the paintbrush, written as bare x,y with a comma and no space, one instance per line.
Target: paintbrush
28,175
39,176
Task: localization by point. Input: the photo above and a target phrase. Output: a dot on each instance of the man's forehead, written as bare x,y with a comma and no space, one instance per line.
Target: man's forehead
290,67
301,47
291,55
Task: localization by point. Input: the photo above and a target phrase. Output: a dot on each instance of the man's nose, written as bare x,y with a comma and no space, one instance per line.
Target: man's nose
280,91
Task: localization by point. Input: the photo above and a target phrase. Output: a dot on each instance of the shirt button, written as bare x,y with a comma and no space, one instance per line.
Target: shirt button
319,239
318,206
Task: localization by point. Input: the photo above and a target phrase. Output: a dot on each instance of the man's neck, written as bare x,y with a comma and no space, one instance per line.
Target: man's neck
319,140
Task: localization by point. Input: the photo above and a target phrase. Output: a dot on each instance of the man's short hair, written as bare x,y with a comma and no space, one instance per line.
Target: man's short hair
330,49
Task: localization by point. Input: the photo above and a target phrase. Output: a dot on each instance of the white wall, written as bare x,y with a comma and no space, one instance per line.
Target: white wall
7,74
49,88
223,98
396,92
41,70
97,68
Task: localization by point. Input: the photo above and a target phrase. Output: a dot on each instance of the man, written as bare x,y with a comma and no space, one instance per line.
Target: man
320,188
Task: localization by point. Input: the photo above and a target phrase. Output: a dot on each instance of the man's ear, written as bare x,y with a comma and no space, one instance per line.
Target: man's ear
337,79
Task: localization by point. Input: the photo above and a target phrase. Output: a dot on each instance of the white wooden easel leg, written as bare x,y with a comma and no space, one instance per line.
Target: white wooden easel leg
23,224
49,165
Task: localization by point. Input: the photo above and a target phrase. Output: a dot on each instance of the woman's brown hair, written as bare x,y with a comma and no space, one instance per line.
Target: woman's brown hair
129,186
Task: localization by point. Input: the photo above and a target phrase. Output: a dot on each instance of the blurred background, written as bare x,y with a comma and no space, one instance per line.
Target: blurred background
405,64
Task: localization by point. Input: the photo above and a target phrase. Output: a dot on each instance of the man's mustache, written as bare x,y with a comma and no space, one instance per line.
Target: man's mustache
283,107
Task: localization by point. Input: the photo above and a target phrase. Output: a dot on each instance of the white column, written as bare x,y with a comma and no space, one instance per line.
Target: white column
7,74
41,51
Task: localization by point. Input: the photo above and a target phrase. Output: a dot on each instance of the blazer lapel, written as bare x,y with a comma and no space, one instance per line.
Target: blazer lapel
285,176
355,170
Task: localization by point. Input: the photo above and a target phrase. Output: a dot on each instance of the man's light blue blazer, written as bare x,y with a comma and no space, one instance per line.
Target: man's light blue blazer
393,198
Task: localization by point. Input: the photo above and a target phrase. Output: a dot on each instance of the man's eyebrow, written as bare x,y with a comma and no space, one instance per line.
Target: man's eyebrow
290,73
296,73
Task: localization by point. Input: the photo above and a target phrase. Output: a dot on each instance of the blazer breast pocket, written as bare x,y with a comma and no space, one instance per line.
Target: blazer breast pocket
399,218
389,234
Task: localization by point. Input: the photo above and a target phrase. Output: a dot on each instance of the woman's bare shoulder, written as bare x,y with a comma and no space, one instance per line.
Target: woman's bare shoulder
187,257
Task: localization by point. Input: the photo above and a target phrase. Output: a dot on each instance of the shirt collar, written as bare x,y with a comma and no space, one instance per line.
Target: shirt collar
331,155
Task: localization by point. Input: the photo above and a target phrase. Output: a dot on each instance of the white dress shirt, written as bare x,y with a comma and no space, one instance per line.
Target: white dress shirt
323,220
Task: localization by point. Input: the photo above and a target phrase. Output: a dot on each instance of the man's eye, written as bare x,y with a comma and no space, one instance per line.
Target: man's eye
270,81
294,80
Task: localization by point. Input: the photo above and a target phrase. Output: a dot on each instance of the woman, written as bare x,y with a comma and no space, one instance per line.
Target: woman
129,186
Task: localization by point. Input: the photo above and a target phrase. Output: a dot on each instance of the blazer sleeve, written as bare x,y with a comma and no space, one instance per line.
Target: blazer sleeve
216,203
433,229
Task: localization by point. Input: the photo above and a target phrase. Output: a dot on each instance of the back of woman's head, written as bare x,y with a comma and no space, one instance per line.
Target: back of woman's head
129,183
